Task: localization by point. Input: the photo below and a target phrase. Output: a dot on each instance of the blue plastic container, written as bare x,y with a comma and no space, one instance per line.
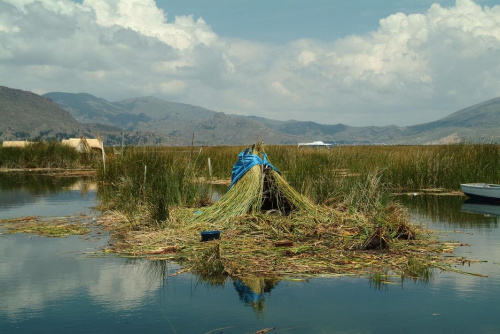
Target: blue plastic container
210,235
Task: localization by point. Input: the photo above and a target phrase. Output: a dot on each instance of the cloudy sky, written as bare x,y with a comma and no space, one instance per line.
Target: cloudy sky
357,62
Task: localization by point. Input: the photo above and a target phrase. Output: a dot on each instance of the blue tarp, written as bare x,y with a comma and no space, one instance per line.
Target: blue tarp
246,160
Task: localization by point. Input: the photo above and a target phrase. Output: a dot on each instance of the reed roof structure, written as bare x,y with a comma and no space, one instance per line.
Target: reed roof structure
83,144
16,143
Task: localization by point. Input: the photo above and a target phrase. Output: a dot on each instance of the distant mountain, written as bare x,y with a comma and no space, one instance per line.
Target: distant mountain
478,123
28,116
338,133
482,115
162,110
87,108
152,121
176,120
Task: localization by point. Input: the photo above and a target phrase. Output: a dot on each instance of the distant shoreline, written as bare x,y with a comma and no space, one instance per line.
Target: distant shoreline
52,171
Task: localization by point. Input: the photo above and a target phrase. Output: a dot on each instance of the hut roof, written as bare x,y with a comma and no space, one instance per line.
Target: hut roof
16,143
83,144
94,143
73,142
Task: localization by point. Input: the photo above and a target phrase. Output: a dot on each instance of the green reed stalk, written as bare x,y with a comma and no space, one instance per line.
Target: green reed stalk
47,155
358,176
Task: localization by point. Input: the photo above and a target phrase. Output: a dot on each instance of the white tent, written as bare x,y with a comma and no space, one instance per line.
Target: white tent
315,144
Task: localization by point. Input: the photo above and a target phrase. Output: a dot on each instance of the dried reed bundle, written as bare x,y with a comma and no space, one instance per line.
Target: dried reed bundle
260,189
244,197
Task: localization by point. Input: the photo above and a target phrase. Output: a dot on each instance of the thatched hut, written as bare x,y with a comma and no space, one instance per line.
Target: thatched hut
84,145
16,143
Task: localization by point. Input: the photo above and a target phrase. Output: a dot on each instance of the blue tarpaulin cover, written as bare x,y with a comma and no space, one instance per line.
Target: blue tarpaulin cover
246,160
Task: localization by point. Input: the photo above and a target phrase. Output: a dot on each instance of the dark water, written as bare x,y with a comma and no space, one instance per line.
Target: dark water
62,285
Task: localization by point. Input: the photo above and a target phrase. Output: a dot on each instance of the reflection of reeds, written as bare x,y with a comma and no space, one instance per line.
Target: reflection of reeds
254,291
417,269
208,266
36,183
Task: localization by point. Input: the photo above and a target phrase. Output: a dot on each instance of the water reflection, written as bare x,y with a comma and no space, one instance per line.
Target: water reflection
254,291
38,184
470,223
44,195
483,208
65,285
446,209
36,273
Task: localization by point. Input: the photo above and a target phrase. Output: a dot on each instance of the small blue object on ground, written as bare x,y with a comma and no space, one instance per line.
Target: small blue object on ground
210,235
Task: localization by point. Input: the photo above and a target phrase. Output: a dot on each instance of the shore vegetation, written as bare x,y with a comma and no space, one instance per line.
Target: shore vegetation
46,155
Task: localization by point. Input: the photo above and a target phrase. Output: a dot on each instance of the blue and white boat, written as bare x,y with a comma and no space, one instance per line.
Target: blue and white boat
482,191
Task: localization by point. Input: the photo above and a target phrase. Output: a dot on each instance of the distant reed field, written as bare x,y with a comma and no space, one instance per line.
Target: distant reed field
359,176
47,155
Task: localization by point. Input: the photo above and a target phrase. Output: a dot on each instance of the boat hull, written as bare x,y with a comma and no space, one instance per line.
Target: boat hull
482,191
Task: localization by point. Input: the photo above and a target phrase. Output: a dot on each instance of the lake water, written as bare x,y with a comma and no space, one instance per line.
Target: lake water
65,285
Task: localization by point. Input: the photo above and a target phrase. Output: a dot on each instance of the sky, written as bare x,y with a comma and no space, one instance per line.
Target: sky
356,62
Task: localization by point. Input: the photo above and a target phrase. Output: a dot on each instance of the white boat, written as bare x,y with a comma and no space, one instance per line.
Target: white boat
483,191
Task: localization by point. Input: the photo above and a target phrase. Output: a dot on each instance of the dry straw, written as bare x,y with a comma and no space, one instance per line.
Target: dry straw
260,189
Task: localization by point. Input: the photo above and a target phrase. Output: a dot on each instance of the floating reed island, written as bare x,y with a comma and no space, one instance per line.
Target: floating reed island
268,229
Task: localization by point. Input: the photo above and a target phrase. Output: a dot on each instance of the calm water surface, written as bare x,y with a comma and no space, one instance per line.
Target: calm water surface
62,285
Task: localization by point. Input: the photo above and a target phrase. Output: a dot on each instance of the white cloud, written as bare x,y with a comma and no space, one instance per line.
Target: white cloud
31,287
144,17
277,87
413,68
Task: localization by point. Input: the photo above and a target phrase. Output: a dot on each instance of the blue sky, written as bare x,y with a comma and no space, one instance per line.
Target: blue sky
281,21
355,62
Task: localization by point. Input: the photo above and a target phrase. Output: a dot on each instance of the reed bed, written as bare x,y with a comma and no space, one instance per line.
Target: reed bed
147,181
330,242
339,217
47,155
322,175
341,220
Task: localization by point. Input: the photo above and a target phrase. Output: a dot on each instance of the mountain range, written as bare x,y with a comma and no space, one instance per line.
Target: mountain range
152,121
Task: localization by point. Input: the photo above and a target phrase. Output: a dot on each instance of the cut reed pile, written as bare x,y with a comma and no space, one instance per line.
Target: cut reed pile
268,229
261,188
330,242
